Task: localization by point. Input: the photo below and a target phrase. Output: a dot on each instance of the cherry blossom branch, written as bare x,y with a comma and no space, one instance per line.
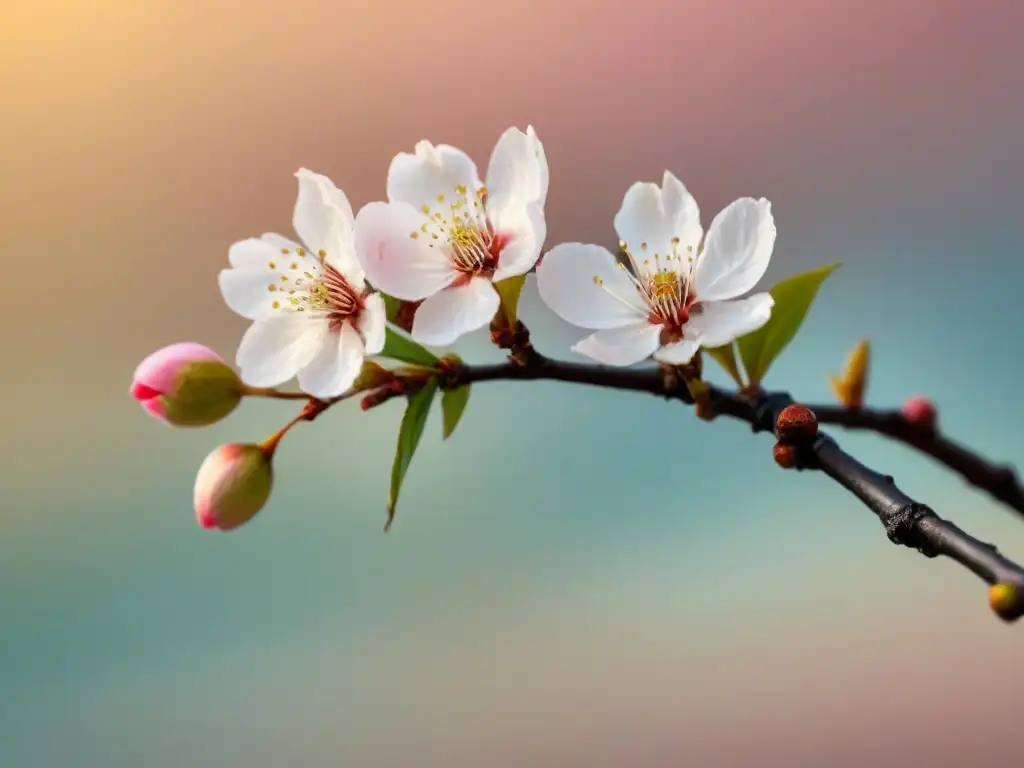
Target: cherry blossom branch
999,481
695,275
907,522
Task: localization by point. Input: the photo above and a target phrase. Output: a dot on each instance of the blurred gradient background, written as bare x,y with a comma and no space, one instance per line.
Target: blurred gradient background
577,578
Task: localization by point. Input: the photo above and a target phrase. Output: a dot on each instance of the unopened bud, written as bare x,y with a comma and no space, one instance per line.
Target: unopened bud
796,424
785,455
186,385
920,411
1006,601
849,387
232,485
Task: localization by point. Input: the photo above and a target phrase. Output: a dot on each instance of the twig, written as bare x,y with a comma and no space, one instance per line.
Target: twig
273,393
1000,482
907,522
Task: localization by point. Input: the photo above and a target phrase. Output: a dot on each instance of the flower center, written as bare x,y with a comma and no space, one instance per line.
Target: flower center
459,225
333,295
665,285
667,296
322,291
663,288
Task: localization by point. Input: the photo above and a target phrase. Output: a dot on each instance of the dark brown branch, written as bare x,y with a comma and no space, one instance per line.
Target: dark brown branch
907,522
999,481
910,523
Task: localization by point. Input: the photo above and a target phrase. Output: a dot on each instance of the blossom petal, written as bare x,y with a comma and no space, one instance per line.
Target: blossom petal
565,280
373,323
251,293
737,250
447,315
259,252
652,217
432,177
720,322
621,346
542,163
397,256
335,367
678,352
517,174
253,253
263,268
257,289
280,242
323,220
322,211
156,407
272,351
525,241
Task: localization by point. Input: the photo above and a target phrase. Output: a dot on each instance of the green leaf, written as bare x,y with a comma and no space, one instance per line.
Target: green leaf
453,403
413,422
509,290
726,357
391,307
793,297
406,350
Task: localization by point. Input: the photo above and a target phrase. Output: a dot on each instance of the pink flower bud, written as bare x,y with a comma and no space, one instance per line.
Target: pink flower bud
232,485
186,385
920,410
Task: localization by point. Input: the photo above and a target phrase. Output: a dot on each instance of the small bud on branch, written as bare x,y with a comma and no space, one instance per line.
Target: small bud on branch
233,484
1006,601
796,424
785,455
187,385
920,411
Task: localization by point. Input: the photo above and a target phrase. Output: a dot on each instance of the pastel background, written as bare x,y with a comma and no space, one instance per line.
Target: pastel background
577,578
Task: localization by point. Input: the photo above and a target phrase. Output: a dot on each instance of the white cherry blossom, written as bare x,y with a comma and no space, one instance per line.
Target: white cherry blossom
445,238
313,314
673,296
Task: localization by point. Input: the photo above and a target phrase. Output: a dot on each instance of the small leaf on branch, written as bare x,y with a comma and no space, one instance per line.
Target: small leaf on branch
413,422
510,290
726,357
453,403
398,347
849,387
793,298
